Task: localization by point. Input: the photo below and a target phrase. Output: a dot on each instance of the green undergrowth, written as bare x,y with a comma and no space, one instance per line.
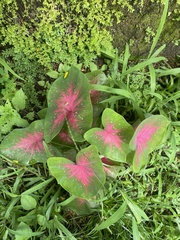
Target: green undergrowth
130,206
152,195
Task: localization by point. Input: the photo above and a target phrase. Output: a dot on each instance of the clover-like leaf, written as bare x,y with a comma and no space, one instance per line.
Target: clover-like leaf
26,144
69,102
113,140
148,135
83,178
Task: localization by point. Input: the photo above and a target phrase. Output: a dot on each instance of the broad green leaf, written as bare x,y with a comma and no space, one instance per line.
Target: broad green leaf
69,103
24,232
41,219
28,202
82,179
9,117
113,140
148,135
53,74
19,100
25,144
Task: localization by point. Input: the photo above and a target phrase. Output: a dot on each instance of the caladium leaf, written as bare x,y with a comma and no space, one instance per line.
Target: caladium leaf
83,178
113,140
97,77
26,144
69,102
81,206
147,137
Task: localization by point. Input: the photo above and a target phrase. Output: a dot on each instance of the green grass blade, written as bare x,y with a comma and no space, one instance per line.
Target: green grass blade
16,172
159,184
120,92
174,149
37,187
174,71
176,96
51,203
110,55
158,51
67,201
160,28
136,210
2,62
143,65
152,78
113,218
126,57
10,207
64,229
135,230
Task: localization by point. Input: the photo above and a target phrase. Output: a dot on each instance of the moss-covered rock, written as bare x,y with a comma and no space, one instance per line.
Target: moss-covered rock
139,28
55,31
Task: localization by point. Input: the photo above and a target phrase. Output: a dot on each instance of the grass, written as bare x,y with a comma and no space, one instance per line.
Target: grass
131,206
151,209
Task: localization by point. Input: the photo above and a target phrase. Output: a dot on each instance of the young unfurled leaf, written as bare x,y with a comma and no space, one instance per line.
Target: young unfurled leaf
83,178
147,137
69,102
25,144
113,140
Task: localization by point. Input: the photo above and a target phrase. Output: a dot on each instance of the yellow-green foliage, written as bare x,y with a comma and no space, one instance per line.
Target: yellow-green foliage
55,31
59,30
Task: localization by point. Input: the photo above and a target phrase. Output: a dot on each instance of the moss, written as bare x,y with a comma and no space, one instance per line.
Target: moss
133,28
55,31
59,30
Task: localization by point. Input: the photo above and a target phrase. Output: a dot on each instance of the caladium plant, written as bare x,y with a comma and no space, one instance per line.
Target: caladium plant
69,104
148,135
78,155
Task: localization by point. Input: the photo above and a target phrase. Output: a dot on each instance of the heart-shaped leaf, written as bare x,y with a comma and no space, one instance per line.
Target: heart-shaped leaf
147,137
113,140
83,178
69,102
25,144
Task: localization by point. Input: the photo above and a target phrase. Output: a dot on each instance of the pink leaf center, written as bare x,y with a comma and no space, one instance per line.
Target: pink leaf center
64,137
67,107
31,143
81,171
110,135
142,139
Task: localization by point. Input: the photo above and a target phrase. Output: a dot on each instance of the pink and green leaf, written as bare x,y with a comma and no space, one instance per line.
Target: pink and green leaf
112,141
83,178
97,77
69,103
26,144
81,206
148,135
